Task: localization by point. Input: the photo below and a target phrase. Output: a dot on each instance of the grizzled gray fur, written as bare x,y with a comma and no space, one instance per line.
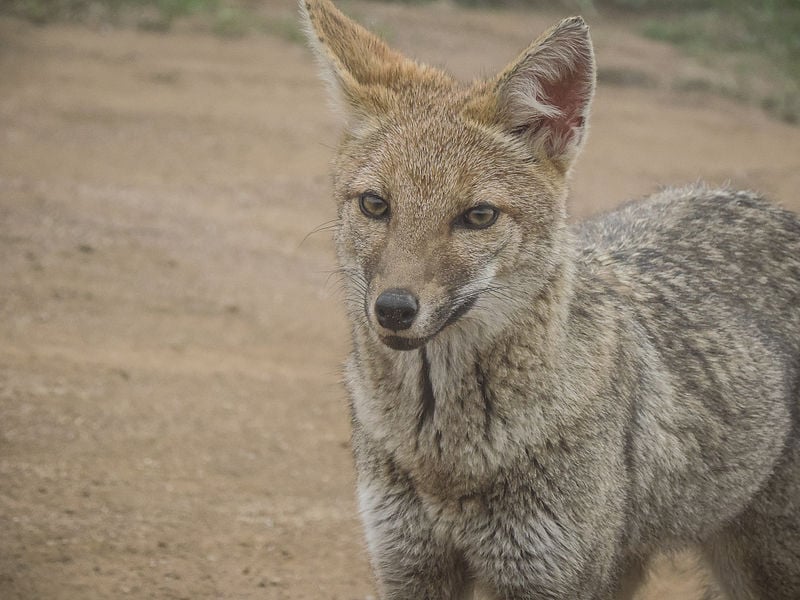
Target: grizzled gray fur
538,409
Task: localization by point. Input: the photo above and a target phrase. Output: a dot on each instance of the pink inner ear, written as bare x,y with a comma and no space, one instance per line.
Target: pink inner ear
570,95
545,95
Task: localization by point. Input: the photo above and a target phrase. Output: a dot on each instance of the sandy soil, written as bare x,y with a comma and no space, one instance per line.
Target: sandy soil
171,419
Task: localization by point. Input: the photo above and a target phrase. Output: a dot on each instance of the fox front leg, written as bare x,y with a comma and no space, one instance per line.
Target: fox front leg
409,563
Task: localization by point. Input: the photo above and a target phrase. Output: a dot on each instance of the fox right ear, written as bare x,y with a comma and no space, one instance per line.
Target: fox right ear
358,67
545,95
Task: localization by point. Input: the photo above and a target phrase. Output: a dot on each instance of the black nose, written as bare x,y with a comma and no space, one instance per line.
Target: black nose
396,309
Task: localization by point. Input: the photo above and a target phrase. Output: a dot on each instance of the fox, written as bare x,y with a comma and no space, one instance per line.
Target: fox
539,407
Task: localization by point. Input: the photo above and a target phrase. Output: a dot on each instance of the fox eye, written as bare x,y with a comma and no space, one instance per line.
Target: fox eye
479,217
373,206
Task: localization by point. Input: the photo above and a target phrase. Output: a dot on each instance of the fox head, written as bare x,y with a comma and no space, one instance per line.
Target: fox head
451,197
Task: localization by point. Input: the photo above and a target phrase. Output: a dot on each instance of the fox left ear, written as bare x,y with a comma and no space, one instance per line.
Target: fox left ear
361,70
545,95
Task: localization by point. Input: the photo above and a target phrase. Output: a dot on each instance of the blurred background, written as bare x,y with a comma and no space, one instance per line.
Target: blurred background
172,423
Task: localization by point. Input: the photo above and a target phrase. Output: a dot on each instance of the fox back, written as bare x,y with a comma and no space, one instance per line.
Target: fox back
539,408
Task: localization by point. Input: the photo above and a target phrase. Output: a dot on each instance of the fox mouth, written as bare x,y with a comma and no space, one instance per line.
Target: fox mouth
397,342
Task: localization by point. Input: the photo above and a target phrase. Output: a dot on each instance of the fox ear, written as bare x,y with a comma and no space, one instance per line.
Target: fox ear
545,95
356,64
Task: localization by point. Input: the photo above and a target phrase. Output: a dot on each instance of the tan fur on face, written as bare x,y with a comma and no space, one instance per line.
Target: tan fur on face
433,148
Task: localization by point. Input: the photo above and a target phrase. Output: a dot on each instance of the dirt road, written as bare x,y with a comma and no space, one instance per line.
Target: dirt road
171,419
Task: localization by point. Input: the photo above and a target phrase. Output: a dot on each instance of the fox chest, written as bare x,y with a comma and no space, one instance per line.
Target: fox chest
444,429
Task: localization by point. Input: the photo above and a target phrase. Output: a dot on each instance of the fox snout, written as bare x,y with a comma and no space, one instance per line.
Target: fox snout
396,312
405,319
401,319
396,309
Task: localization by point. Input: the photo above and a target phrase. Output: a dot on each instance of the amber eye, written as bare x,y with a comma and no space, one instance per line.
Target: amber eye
373,206
479,217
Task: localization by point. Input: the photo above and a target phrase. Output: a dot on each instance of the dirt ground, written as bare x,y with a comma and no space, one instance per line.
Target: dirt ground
171,419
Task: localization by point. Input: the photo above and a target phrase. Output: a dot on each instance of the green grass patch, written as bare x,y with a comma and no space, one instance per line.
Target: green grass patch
759,42
624,77
774,33
226,18
45,11
287,28
233,21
